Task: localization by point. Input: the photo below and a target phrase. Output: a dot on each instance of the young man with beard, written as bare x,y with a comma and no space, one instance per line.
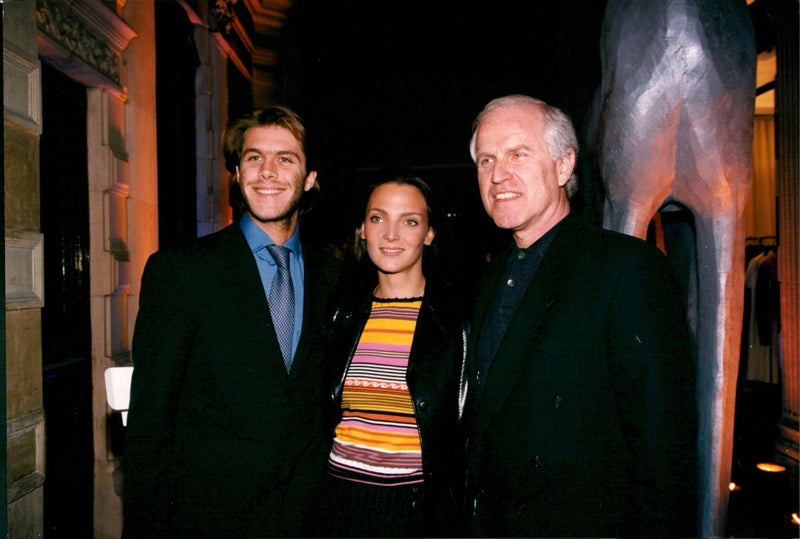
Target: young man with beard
224,435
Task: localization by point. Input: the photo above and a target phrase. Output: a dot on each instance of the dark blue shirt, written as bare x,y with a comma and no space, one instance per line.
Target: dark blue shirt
518,273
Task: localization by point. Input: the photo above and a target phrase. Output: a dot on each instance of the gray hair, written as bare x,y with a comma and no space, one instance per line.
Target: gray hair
559,134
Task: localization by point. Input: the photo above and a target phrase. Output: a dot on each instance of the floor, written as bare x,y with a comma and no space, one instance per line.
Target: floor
764,500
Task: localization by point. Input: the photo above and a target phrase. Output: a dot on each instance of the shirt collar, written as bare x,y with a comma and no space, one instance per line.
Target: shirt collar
540,246
257,239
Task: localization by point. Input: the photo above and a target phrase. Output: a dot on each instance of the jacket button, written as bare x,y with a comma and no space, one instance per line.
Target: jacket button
423,405
557,401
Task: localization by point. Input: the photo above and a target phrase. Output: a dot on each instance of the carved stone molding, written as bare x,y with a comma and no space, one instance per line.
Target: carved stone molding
84,39
22,89
222,15
67,31
115,307
241,27
115,219
24,253
25,447
268,14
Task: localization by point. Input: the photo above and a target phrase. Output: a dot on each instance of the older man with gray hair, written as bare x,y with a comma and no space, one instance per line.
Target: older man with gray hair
581,414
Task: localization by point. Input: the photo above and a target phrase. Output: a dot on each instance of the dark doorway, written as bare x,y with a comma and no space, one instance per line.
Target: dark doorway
176,65
66,329
673,230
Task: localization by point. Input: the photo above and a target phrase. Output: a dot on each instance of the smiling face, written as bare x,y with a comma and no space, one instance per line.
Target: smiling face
522,187
272,177
395,228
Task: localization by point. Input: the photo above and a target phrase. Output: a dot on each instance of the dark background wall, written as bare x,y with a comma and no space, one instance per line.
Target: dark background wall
400,83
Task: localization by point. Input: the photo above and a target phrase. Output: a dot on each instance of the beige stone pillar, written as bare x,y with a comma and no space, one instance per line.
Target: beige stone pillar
123,214
24,275
211,114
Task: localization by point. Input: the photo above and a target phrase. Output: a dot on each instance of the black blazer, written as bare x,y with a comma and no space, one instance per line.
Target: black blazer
586,425
220,440
434,369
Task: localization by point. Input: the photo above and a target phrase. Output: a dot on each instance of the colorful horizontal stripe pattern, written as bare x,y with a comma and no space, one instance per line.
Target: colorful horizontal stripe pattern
377,441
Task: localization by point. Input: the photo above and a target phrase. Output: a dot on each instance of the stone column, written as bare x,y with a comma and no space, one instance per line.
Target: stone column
24,279
787,118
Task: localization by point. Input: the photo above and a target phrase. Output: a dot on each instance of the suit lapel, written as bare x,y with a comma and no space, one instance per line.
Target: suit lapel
319,280
239,277
482,303
524,331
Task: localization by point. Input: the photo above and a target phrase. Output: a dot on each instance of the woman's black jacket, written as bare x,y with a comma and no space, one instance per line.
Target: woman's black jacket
434,381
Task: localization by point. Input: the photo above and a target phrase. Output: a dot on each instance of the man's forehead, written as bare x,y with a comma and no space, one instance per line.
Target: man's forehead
275,134
517,115
509,126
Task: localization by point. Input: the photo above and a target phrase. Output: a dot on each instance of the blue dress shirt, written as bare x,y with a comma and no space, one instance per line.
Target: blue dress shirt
258,240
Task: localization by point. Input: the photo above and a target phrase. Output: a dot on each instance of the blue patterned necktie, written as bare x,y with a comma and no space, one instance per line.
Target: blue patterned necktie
281,302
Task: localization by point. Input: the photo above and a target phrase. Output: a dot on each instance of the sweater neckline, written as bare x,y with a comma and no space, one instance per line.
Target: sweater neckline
394,300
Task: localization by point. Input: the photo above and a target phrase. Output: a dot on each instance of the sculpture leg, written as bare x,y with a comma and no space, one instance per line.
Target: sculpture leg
637,159
676,125
720,254
627,216
716,159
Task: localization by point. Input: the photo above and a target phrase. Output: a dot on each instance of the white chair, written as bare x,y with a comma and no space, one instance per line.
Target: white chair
118,390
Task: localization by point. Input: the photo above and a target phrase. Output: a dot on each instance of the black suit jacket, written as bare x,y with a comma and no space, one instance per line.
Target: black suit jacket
586,424
221,441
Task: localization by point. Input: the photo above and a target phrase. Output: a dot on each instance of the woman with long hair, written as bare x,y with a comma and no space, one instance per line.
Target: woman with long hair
396,348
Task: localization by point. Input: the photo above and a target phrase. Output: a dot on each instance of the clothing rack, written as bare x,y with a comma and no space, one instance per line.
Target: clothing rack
767,241
754,246
760,353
